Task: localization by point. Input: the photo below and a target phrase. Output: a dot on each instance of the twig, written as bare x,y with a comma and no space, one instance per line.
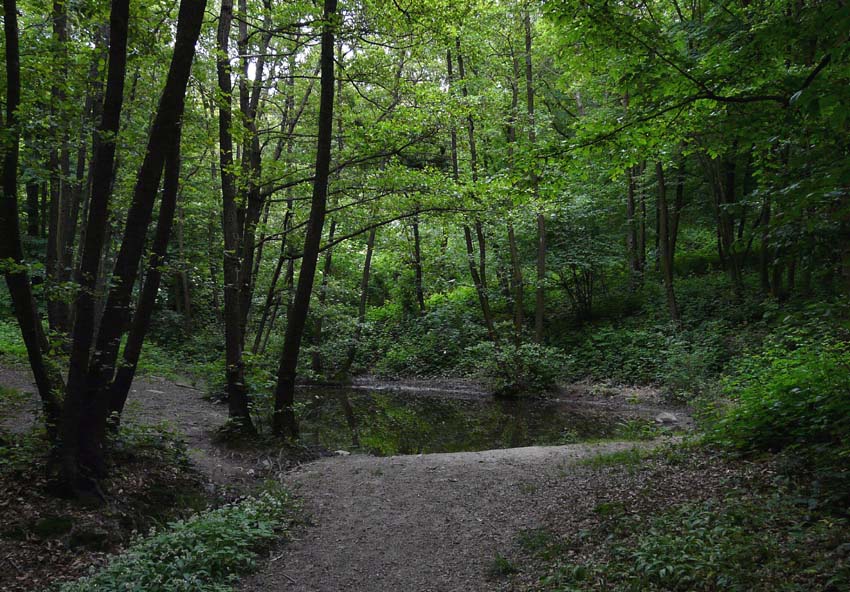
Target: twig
12,563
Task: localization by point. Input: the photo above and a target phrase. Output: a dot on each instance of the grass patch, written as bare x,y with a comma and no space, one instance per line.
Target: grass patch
502,567
204,553
631,458
741,542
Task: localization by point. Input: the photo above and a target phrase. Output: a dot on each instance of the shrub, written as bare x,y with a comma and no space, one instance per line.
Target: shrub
205,553
792,397
513,370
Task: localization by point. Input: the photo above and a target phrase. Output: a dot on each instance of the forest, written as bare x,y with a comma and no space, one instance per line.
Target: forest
425,295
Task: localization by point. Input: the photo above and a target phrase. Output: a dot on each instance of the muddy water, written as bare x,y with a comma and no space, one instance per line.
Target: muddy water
387,423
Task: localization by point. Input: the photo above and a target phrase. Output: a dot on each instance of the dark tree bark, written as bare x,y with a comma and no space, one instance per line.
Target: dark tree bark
163,137
476,271
141,319
361,309
78,398
678,205
417,266
665,246
540,290
517,288
284,421
87,396
316,358
32,208
272,291
632,239
59,245
237,393
14,267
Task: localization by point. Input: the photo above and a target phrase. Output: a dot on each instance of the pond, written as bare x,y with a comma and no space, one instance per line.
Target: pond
386,423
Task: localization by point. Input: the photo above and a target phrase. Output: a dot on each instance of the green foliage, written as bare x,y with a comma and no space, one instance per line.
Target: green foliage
510,370
738,543
792,397
432,345
204,553
12,348
631,457
502,567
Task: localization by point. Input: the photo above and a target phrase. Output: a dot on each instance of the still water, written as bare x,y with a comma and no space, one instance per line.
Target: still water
386,423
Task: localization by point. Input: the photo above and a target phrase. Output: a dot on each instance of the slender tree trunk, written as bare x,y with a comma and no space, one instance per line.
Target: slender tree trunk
665,246
517,286
163,136
185,296
141,319
361,309
764,255
14,269
417,266
272,291
60,243
478,279
632,239
32,208
316,358
79,400
678,205
517,289
237,393
641,245
284,421
540,290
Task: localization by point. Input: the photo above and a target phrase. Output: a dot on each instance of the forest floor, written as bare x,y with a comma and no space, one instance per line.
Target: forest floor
434,522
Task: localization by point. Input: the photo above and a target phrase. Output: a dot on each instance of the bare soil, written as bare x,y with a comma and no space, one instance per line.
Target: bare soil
423,523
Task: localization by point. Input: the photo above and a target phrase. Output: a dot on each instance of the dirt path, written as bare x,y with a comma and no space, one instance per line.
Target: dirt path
152,401
423,523
426,523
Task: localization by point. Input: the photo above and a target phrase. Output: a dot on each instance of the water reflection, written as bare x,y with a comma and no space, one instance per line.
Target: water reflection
386,423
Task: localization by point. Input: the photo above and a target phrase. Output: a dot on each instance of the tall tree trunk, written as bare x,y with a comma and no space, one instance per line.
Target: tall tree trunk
272,291
141,319
78,399
182,277
60,244
361,309
32,208
517,288
540,290
316,358
164,134
665,246
284,421
417,266
237,392
15,270
479,279
764,255
632,239
678,205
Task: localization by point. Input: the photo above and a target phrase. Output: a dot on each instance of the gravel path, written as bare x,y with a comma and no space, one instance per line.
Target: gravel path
424,523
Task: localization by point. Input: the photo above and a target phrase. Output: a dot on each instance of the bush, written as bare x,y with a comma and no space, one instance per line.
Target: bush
739,543
510,370
789,397
792,397
205,553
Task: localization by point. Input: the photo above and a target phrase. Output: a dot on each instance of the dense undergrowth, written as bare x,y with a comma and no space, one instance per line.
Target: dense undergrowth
204,553
764,377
